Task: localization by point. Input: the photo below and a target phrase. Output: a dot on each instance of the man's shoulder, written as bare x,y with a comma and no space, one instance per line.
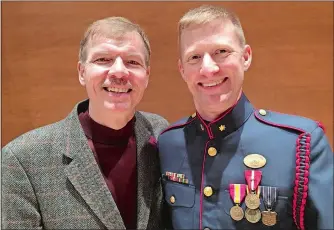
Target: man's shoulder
286,121
36,138
154,122
153,117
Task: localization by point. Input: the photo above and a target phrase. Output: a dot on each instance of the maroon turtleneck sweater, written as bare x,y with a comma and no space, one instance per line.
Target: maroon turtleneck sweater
115,152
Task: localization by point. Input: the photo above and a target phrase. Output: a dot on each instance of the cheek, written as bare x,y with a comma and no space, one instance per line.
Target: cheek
233,69
139,79
96,72
191,75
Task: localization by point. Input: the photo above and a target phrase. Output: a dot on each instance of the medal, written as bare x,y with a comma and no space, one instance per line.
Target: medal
269,195
253,215
252,201
253,178
254,161
237,193
236,213
269,218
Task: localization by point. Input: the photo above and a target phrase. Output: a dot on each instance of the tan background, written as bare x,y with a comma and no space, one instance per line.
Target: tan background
292,69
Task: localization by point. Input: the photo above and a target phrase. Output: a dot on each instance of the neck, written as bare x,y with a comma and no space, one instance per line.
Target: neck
111,119
210,113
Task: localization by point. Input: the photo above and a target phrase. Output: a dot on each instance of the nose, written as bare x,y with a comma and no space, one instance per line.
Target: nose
209,67
118,69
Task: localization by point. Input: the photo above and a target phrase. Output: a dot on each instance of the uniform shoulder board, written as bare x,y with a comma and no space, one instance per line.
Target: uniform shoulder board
287,121
180,123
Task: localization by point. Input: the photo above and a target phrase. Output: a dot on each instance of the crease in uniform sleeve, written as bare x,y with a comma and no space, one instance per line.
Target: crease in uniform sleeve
321,178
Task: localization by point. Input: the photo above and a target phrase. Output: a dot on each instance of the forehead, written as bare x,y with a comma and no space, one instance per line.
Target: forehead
217,32
129,42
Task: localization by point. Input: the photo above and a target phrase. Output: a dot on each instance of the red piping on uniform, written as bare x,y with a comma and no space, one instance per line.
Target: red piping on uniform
208,129
305,187
207,126
321,126
295,192
278,125
300,223
201,196
177,126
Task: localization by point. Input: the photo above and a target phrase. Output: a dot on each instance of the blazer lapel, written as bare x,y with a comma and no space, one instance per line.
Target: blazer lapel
84,174
147,170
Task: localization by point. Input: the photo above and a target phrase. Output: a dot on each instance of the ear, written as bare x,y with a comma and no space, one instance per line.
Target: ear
247,56
148,72
181,69
81,72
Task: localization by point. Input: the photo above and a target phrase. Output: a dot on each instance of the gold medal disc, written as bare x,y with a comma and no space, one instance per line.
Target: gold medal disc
252,201
236,213
255,161
253,215
269,218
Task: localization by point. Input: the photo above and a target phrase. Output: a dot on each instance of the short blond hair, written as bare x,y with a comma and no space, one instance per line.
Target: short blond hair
112,27
207,13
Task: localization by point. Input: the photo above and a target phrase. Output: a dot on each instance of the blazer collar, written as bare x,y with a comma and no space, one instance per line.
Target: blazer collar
86,177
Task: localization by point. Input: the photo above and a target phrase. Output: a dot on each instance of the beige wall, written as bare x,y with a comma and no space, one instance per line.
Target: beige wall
292,69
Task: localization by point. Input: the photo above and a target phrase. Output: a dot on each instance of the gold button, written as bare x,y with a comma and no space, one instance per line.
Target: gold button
193,115
202,128
208,191
212,151
172,199
262,112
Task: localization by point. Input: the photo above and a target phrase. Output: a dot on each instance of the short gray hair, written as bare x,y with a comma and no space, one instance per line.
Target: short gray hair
112,27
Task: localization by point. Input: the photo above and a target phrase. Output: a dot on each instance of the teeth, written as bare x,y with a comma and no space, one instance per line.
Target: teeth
117,90
212,83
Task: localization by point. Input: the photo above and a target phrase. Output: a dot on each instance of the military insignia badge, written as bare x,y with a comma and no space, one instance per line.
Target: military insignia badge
269,194
253,178
253,215
255,161
237,193
177,177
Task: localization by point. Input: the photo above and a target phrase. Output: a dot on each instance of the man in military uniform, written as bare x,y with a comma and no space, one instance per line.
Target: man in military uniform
218,173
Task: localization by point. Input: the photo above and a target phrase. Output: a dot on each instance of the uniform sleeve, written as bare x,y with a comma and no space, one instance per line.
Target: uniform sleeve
19,203
321,178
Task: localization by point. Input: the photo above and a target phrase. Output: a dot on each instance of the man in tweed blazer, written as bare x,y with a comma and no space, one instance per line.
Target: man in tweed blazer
53,176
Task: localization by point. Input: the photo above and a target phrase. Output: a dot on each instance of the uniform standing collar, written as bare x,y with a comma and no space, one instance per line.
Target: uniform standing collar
227,122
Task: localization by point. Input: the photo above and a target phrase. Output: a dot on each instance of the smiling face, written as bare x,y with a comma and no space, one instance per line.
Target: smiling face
212,63
115,73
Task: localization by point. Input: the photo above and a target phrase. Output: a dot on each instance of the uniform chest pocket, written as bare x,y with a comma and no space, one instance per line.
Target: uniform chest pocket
179,195
181,200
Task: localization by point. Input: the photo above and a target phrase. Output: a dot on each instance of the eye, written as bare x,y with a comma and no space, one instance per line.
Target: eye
195,57
221,51
102,60
132,62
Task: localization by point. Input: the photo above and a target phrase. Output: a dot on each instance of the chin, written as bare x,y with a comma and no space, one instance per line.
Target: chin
225,97
117,106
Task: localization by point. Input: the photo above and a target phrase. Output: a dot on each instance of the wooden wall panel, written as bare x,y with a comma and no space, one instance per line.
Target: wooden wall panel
292,69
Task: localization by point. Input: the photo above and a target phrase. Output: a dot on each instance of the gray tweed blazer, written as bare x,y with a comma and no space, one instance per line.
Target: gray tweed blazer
51,180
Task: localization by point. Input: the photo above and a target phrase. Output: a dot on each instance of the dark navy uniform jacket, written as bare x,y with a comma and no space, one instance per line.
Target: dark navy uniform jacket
299,163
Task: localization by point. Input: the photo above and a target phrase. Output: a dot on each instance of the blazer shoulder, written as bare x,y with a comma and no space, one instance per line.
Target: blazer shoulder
35,138
287,121
154,122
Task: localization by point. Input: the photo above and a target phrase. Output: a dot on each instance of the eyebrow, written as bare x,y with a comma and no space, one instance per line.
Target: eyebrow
125,54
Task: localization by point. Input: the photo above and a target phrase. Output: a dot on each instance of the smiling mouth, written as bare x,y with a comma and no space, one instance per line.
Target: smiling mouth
116,90
213,84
